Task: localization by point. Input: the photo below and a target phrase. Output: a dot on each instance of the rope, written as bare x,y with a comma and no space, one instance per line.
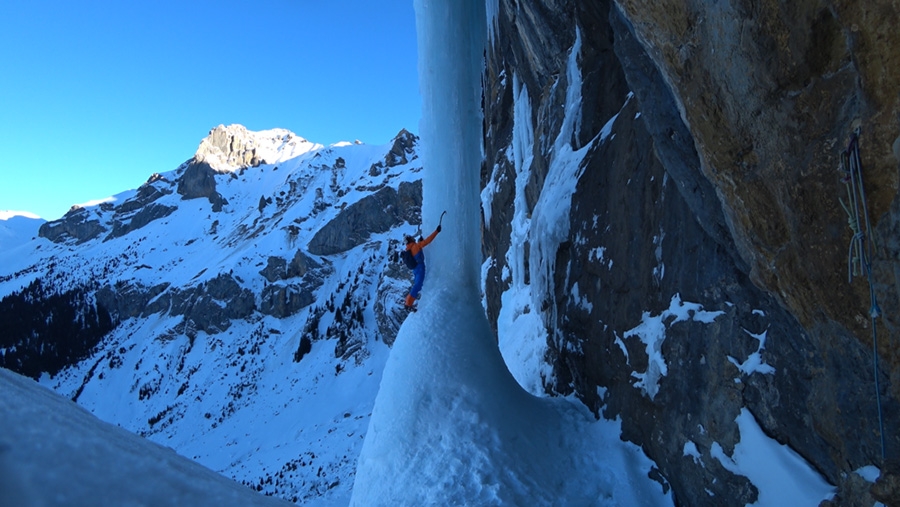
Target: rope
860,252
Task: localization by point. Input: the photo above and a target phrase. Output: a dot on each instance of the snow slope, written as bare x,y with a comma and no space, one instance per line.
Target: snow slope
17,228
53,452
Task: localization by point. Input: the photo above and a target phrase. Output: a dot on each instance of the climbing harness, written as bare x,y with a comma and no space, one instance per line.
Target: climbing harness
859,258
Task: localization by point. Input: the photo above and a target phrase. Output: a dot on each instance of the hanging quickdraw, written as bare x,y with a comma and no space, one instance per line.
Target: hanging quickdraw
854,257
860,254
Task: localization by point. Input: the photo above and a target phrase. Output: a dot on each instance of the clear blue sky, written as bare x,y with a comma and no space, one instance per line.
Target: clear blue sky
96,95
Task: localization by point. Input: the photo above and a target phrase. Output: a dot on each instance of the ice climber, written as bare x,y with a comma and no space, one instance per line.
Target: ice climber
414,256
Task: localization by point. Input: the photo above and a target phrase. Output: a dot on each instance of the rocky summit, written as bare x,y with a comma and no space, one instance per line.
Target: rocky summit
711,137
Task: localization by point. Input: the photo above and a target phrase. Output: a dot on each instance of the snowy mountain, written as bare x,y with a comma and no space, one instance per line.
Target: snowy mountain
237,309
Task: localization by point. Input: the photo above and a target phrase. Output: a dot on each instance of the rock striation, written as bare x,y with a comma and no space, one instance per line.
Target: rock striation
379,212
711,136
77,224
229,147
81,224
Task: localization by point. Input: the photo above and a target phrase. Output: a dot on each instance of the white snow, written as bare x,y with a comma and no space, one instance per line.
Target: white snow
652,333
523,341
487,195
754,362
621,344
782,477
7,214
580,300
17,228
690,449
868,472
53,452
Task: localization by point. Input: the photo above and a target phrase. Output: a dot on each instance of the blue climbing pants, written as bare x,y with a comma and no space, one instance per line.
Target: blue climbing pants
418,280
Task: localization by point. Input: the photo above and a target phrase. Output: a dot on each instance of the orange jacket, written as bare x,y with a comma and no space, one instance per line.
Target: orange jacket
416,248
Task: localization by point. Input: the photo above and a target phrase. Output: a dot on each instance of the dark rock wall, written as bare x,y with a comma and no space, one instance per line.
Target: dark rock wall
78,223
720,186
199,180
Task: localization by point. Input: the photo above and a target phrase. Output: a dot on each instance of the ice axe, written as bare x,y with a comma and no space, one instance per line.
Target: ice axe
439,224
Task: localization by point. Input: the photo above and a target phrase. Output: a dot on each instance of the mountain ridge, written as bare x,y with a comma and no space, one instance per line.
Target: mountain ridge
190,315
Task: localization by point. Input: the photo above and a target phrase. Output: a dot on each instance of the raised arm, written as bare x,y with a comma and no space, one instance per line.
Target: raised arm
430,238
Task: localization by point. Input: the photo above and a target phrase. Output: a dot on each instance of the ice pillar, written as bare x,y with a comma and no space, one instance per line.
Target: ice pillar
451,39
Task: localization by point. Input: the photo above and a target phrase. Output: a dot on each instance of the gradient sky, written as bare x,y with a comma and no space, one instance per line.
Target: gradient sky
97,95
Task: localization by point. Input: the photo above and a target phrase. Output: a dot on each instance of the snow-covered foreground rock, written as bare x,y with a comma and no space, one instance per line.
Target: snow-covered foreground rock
53,452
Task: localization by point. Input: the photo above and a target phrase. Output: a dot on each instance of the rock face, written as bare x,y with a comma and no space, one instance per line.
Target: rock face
77,224
394,280
231,149
227,148
278,268
199,180
402,150
292,285
709,137
379,212
83,224
208,307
